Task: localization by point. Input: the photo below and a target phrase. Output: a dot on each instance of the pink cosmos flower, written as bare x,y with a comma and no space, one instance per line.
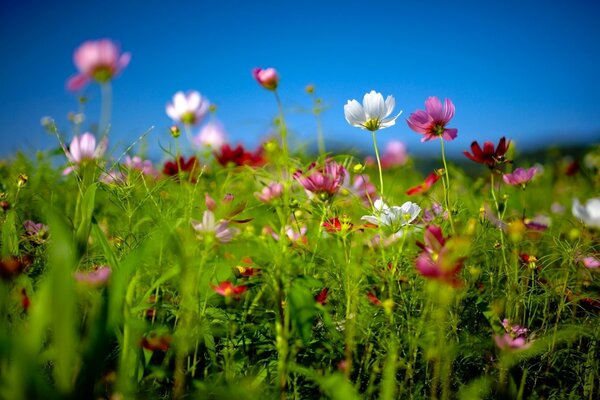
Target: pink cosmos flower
83,149
362,188
97,60
516,330
590,262
520,176
270,193
267,78
211,135
324,182
228,289
508,342
294,234
432,122
439,260
188,108
394,155
222,231
97,277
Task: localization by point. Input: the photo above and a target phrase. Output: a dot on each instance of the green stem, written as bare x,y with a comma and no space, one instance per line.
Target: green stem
446,183
106,93
378,165
283,132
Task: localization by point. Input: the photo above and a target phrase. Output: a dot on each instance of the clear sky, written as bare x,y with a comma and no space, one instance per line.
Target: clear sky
525,69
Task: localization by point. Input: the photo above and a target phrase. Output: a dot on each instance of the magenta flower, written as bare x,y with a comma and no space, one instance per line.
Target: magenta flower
324,182
432,122
222,231
520,177
508,342
270,193
188,108
83,149
266,78
590,262
228,289
394,155
97,277
98,60
439,260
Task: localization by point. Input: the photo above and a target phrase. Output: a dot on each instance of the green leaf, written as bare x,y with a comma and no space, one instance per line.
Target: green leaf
302,310
10,240
85,217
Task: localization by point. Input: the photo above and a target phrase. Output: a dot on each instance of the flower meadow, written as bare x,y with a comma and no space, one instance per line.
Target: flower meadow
225,272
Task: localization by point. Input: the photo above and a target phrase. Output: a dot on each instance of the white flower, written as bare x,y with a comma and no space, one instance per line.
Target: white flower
374,113
393,217
222,231
188,108
212,135
589,212
82,149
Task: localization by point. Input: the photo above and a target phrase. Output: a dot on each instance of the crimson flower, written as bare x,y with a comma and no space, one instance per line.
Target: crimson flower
240,156
190,167
153,341
432,122
335,225
228,289
426,185
488,155
321,298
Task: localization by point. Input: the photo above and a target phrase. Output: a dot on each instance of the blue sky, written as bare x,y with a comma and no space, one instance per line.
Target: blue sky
527,69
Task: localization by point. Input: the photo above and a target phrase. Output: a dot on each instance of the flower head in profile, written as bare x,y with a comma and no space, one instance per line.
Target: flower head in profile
323,182
427,183
394,155
490,156
442,258
209,226
589,212
266,78
211,135
520,177
393,218
432,121
97,277
83,149
239,156
228,289
373,114
188,108
270,193
337,225
98,60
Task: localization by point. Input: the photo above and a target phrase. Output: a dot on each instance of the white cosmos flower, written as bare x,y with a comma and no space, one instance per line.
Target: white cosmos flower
589,212
188,108
393,217
373,114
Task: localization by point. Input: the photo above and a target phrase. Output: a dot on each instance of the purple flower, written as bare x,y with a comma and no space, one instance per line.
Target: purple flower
432,122
507,342
97,277
33,229
270,193
324,182
222,231
520,177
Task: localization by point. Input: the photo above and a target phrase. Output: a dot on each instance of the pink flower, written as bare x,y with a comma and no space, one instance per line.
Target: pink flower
590,262
270,193
221,229
211,135
362,188
267,78
324,182
97,60
228,289
515,330
439,260
83,149
297,234
520,176
98,277
394,155
507,342
432,122
188,108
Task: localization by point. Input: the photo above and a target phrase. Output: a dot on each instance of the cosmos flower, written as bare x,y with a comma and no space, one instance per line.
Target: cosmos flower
270,193
98,60
394,155
335,225
515,337
442,258
228,289
188,108
83,149
373,114
361,187
222,231
211,135
323,182
520,177
588,213
175,167
432,122
266,78
590,262
239,156
97,277
488,155
426,185
393,217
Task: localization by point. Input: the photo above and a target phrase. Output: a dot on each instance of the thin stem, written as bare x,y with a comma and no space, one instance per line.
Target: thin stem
446,183
282,130
378,165
106,93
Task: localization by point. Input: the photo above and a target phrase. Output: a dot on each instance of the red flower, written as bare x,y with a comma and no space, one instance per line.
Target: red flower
334,225
190,167
153,342
13,266
426,185
321,298
488,155
228,289
240,156
373,299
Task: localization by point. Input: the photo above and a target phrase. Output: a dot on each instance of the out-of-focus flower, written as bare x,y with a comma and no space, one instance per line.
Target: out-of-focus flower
539,223
394,155
335,225
97,277
436,209
13,266
588,213
239,156
222,231
488,155
228,289
557,208
153,342
373,114
362,188
394,218
190,167
529,260
134,163
321,297
266,78
188,108
514,338
83,149
432,122
322,182
35,229
442,258
520,176
590,262
98,60
211,135
426,185
270,193
373,299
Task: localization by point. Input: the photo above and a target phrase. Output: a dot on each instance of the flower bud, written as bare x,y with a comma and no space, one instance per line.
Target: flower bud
175,131
267,78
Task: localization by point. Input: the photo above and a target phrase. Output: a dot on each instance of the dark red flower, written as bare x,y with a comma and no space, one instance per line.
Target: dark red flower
488,155
153,341
426,185
373,298
191,167
13,266
321,298
239,156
